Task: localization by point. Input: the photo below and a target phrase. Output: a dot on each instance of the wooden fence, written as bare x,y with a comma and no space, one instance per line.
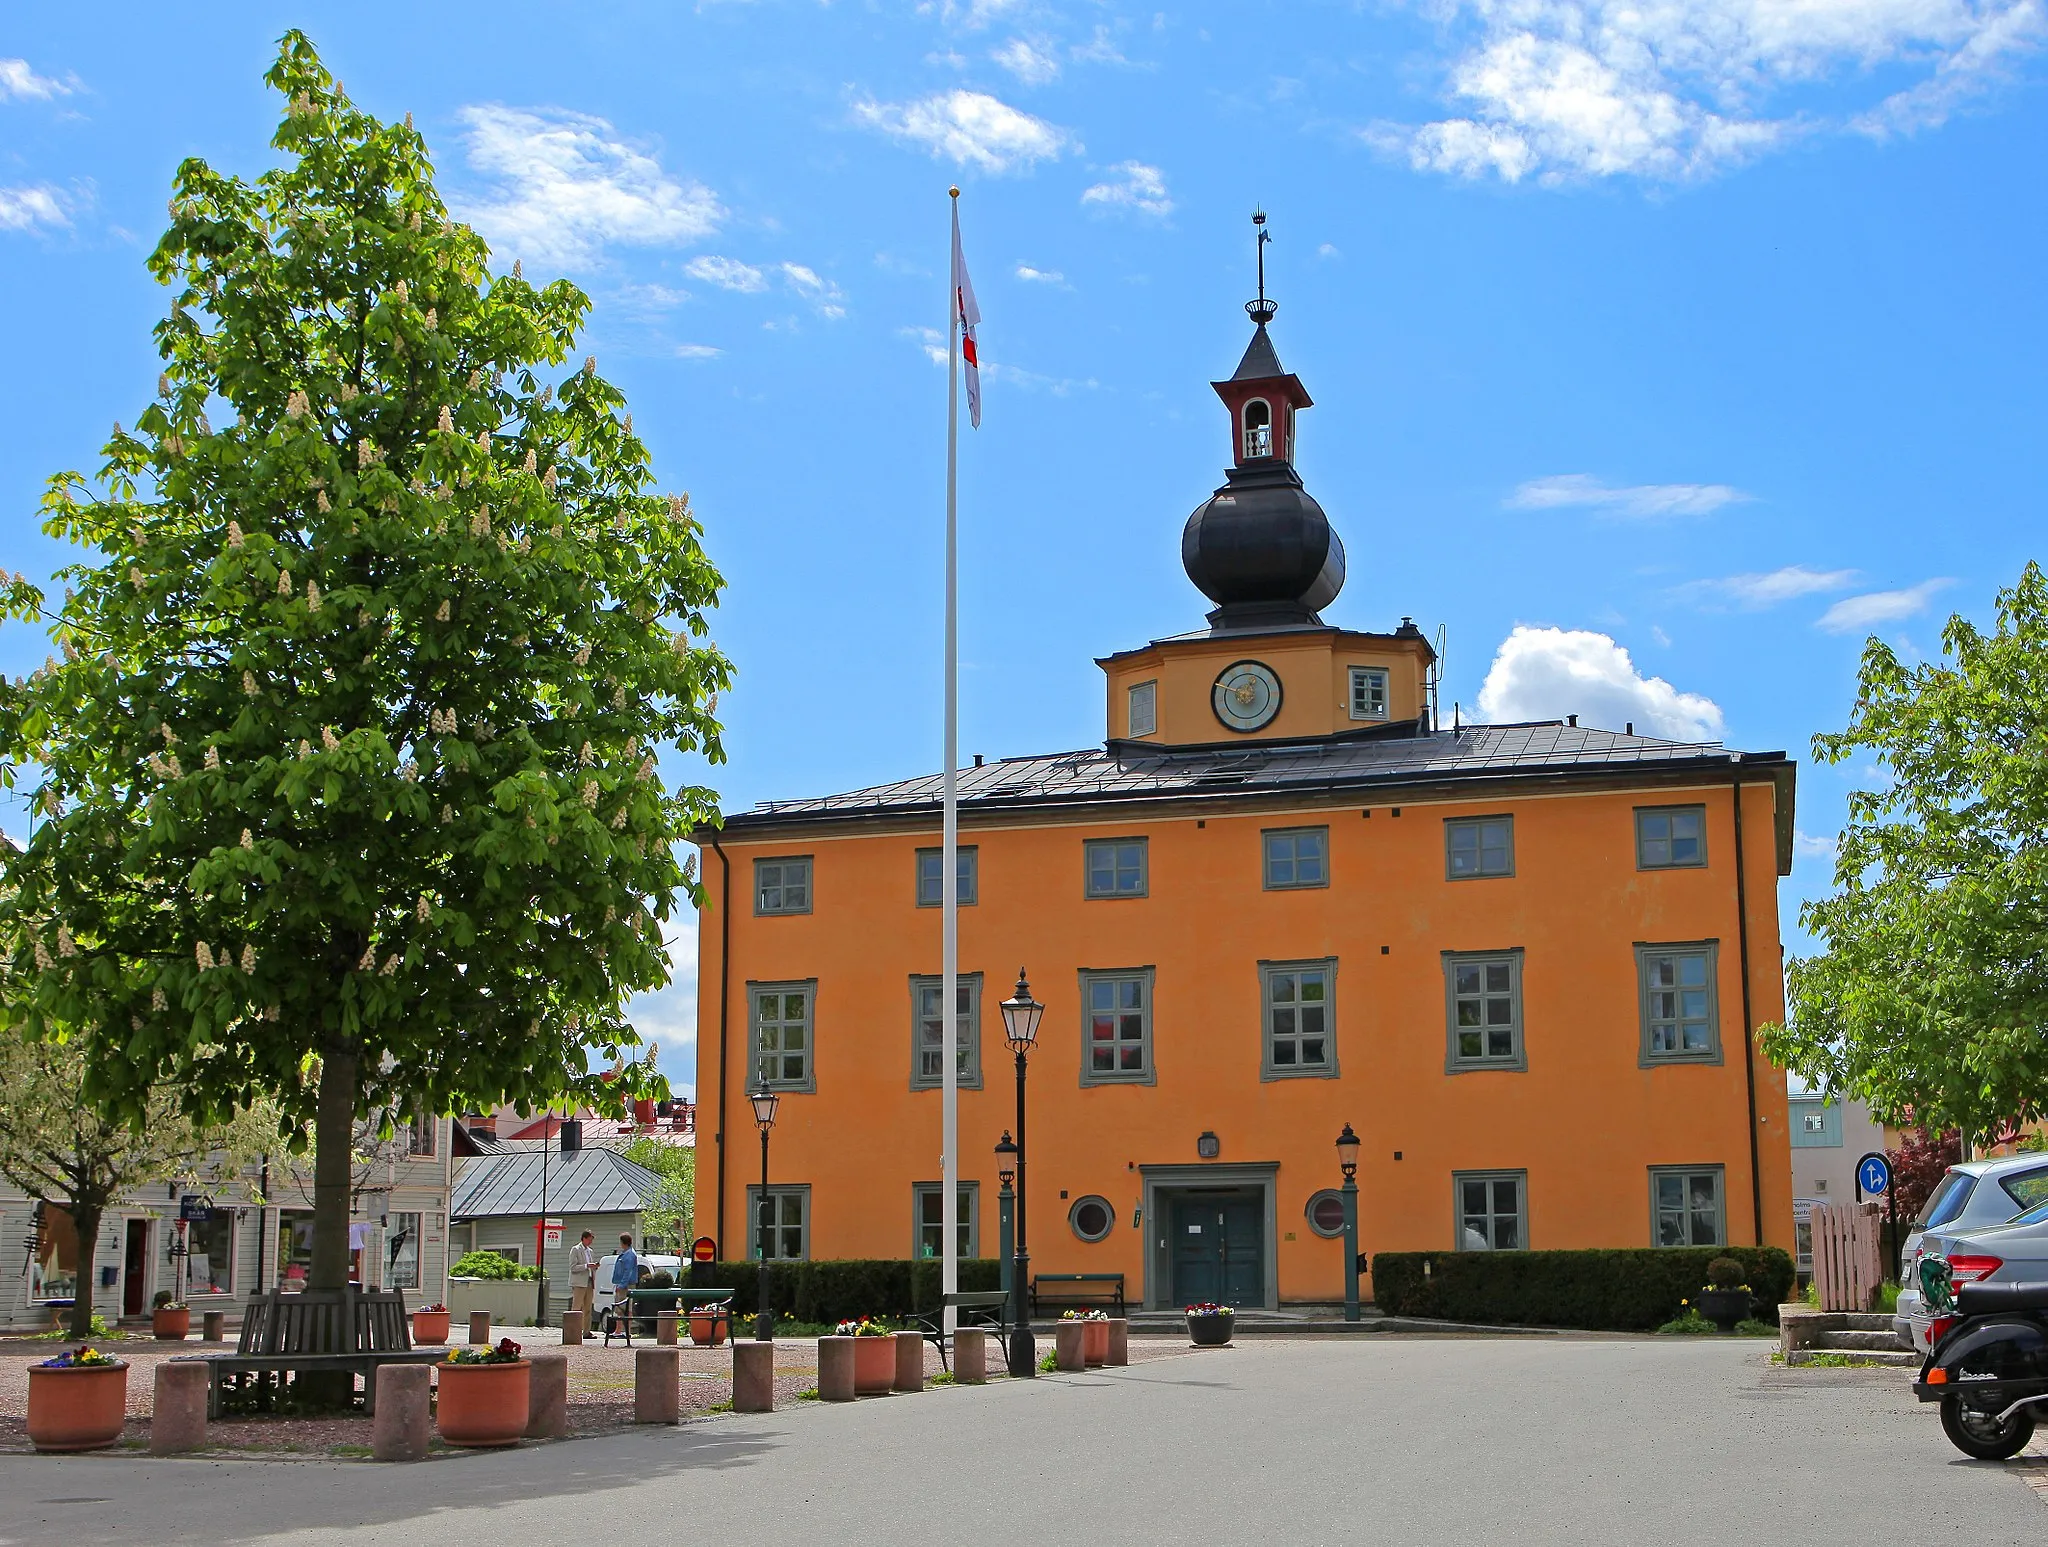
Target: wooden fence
1848,1264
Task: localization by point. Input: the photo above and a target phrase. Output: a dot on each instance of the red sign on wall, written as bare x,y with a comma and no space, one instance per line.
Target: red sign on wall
703,1249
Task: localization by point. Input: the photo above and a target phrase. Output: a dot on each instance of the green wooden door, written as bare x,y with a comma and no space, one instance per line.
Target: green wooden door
1219,1250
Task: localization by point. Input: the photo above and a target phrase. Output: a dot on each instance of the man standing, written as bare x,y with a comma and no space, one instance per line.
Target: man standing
583,1278
625,1274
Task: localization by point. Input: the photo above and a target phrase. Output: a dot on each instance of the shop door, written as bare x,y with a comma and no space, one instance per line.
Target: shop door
1219,1251
135,1268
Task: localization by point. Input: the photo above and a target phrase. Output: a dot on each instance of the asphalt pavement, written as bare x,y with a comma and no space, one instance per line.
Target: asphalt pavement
1670,1442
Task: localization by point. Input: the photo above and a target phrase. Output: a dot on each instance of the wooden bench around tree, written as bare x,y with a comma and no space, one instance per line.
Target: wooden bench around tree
327,1331
1077,1292
984,1310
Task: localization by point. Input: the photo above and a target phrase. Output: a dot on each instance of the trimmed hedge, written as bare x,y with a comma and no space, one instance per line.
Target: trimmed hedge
847,1288
1621,1290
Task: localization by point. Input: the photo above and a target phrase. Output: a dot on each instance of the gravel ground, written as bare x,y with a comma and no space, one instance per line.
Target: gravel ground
600,1389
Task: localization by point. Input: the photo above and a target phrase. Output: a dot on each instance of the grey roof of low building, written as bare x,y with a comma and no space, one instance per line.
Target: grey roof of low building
585,1181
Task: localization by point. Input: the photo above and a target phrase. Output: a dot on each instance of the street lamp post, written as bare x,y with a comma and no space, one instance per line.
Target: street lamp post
1021,1014
764,1101
1347,1157
1006,1210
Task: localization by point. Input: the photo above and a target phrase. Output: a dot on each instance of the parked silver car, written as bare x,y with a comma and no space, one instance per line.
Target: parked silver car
1972,1197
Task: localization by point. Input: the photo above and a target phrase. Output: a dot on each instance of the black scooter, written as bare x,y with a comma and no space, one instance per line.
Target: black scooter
1989,1365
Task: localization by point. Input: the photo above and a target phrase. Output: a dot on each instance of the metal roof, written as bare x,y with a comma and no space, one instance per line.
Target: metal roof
585,1181
1129,770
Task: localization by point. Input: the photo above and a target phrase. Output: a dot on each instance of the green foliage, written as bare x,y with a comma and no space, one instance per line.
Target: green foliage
668,1222
492,1265
1726,1273
1931,992
826,1293
97,1329
1888,1297
347,786
1749,1327
1688,1323
1618,1289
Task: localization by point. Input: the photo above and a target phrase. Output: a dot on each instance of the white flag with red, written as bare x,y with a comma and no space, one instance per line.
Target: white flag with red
966,317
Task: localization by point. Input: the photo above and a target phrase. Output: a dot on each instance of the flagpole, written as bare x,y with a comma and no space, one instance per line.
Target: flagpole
949,865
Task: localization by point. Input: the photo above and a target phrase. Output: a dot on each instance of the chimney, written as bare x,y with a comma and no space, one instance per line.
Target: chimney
571,1129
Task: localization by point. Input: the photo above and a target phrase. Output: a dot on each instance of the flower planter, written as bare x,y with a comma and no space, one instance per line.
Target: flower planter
172,1323
706,1331
483,1404
1095,1342
1723,1307
1209,1331
77,1409
430,1326
874,1365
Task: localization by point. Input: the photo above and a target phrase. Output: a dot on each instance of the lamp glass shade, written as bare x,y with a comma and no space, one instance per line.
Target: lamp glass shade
1021,1015
1006,1158
765,1102
1347,1150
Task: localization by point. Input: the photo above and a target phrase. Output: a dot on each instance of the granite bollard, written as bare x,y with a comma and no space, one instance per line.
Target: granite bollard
547,1397
403,1425
179,1420
657,1385
753,1377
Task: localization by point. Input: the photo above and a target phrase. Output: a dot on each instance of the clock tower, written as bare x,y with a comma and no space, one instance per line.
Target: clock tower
1263,551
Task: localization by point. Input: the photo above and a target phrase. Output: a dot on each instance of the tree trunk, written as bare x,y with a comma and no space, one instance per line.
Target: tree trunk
85,1219
333,1171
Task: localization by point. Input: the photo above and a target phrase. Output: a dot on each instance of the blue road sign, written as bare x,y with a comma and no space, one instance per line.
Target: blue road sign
1874,1174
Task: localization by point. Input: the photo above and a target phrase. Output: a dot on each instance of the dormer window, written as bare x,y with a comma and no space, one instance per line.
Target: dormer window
1368,693
1258,429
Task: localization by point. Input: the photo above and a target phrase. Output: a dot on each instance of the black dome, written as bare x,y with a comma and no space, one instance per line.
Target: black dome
1262,549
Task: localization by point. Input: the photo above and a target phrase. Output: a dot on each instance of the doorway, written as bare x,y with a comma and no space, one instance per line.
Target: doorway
1218,1248
135,1268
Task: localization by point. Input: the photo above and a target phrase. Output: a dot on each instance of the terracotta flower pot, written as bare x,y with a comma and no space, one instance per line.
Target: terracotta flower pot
483,1404
77,1409
1095,1342
172,1323
706,1331
430,1326
874,1365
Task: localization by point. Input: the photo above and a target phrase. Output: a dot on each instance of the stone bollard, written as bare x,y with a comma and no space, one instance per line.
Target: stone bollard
835,1369
1119,1340
479,1326
213,1326
179,1423
1070,1346
573,1328
403,1425
665,1324
657,1385
909,1361
970,1356
547,1397
753,1377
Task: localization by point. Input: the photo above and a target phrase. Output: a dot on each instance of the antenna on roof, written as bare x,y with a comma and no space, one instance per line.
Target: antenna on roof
1436,676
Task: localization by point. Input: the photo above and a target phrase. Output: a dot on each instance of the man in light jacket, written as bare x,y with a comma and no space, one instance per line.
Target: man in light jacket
583,1278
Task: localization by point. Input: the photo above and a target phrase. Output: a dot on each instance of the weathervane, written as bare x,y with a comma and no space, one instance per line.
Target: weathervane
1261,310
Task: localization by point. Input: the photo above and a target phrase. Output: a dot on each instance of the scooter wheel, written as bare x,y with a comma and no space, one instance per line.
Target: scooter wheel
1980,1434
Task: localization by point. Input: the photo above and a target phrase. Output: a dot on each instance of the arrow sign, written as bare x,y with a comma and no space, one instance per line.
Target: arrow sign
1874,1174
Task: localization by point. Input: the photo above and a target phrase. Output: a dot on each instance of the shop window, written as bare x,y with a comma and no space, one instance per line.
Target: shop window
210,1254
53,1263
402,1252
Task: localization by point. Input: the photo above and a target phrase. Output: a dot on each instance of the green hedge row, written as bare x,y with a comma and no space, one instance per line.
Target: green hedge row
1623,1290
841,1290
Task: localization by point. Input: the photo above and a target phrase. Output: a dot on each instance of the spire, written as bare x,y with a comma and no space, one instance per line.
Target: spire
1262,309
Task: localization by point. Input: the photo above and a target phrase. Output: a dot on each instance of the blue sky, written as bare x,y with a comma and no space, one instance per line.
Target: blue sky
1660,353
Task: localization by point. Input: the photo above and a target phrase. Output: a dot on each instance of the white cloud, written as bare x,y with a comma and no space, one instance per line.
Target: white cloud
1757,591
20,83
1034,64
1564,89
1860,612
1328,250
1034,276
698,351
969,127
24,209
827,297
669,1015
727,274
1569,490
1098,50
1658,634
1548,673
1812,845
566,187
1135,186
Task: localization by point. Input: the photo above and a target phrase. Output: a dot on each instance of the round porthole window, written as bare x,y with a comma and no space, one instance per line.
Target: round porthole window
1326,1212
1092,1218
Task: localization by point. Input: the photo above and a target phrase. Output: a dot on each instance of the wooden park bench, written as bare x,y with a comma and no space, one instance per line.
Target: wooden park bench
1077,1292
985,1310
315,1330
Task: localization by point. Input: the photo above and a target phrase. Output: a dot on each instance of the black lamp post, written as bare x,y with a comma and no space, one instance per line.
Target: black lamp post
765,1102
1006,1207
1021,1014
1347,1157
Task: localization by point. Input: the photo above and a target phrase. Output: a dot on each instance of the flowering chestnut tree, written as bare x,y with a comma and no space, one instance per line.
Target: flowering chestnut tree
345,783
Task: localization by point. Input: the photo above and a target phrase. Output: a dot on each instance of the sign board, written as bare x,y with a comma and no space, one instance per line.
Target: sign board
703,1249
551,1232
192,1207
1874,1174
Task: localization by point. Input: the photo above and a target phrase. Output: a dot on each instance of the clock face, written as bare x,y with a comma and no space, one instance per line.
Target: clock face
1247,695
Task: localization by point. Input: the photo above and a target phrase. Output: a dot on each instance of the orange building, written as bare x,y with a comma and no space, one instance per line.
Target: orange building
1524,962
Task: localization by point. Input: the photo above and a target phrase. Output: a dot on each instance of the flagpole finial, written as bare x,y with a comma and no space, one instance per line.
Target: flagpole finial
1261,310
955,192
